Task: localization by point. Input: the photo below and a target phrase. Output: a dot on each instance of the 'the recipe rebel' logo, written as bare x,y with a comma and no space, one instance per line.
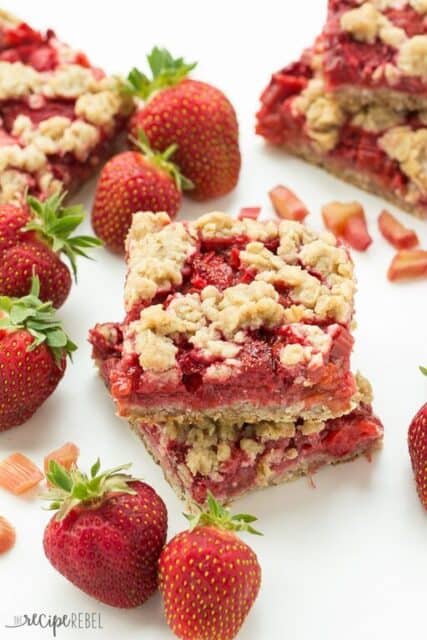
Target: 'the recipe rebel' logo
82,620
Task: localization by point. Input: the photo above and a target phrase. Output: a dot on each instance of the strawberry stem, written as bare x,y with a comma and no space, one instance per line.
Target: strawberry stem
216,515
39,319
55,224
161,159
166,71
72,487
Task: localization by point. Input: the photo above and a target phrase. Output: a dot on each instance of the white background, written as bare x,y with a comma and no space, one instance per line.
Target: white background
347,558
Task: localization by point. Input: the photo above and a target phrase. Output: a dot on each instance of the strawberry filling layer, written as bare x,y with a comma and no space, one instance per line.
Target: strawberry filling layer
356,150
350,62
23,44
341,438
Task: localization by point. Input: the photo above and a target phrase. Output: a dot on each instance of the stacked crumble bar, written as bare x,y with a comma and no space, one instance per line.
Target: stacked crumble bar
233,361
356,102
58,115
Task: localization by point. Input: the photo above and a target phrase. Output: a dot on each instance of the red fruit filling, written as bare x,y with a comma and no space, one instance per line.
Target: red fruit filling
340,439
350,62
356,149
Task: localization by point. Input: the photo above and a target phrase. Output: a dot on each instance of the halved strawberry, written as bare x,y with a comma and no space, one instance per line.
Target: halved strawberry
286,204
395,232
408,264
347,221
249,212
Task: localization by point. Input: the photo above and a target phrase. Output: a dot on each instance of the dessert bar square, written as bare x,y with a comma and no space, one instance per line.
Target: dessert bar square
232,363
376,51
231,319
58,114
372,146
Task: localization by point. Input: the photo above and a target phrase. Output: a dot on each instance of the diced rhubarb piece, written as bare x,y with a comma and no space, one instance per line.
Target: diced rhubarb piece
395,232
287,205
18,474
249,212
7,535
408,264
66,456
347,220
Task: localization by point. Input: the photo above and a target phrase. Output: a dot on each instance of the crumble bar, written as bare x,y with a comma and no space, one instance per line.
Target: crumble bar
373,146
232,363
375,51
58,114
227,317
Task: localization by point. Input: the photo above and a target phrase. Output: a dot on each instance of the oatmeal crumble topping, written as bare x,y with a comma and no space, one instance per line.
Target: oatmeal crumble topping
215,321
367,23
323,114
156,256
412,57
377,117
409,148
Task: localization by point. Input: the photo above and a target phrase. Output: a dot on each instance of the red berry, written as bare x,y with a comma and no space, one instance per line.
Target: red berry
107,541
32,239
130,182
21,261
29,373
195,116
209,579
417,444
12,219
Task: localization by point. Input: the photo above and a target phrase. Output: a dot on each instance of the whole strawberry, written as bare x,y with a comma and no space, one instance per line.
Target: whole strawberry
209,578
33,350
12,220
135,181
417,444
196,116
32,239
107,535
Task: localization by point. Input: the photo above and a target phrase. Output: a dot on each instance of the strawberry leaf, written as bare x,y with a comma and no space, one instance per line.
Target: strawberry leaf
423,370
55,224
95,468
217,515
166,71
161,159
39,319
72,488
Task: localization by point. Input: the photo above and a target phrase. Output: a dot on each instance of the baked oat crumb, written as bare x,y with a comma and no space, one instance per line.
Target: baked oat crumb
409,148
412,57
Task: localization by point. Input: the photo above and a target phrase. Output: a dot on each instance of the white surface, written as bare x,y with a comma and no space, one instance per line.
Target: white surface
348,558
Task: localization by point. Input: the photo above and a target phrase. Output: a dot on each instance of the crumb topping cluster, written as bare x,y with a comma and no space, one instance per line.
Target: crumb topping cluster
409,148
325,113
316,274
367,23
97,104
